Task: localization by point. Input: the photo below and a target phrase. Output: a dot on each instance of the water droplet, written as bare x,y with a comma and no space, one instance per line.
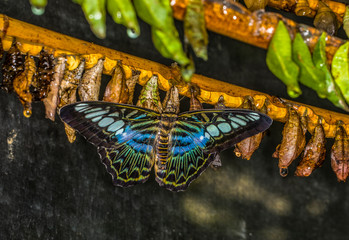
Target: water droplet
27,113
132,33
38,10
283,171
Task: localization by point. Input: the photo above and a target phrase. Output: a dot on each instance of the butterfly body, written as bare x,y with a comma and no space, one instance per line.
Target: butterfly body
131,140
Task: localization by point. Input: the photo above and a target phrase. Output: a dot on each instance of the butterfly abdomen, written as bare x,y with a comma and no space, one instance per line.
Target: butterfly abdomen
165,126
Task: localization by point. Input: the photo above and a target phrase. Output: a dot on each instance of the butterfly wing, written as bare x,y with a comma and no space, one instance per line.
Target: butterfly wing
196,138
124,136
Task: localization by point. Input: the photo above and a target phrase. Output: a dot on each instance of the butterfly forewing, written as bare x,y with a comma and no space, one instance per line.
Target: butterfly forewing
124,136
221,129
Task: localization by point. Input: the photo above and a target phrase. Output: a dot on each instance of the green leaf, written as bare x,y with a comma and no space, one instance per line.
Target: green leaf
331,89
340,69
124,13
279,60
309,75
195,28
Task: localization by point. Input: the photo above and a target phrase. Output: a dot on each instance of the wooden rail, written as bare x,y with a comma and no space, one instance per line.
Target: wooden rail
33,38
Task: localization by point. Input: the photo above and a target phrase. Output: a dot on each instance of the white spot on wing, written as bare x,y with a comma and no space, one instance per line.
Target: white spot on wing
115,126
224,127
105,122
95,114
213,130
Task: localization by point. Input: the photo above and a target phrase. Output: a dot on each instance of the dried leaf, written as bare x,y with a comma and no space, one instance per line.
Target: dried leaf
280,62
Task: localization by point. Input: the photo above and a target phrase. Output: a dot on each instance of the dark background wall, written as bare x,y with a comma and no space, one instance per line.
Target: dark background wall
51,189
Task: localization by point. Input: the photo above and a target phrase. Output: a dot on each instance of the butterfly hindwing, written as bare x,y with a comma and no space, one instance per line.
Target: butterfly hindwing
186,160
197,137
124,136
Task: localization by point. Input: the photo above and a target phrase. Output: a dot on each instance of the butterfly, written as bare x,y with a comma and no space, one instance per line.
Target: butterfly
131,140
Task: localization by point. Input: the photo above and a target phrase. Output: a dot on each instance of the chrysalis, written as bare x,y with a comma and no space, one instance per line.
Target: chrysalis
52,99
340,153
293,141
149,97
22,83
44,73
326,19
248,146
116,90
314,153
91,82
12,67
131,84
67,93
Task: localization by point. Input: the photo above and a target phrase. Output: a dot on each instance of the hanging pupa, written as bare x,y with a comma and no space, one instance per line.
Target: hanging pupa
44,73
149,97
314,153
131,85
340,153
52,99
302,8
171,101
91,82
248,146
326,19
12,67
67,93
22,83
293,141
254,5
116,90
